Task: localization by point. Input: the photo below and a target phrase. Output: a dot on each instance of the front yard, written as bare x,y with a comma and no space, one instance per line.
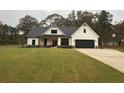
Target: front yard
120,49
53,65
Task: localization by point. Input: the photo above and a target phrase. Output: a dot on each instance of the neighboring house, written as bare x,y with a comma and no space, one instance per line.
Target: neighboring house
21,32
53,36
117,40
109,42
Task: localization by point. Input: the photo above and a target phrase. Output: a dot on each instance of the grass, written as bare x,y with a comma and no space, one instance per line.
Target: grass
53,65
120,49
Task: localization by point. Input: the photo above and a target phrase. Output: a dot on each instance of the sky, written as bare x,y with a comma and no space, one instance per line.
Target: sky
11,17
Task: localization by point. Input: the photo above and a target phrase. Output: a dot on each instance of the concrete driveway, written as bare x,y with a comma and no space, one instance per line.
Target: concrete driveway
110,57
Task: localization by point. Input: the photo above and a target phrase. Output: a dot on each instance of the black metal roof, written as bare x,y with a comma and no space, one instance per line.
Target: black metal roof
68,30
35,32
38,31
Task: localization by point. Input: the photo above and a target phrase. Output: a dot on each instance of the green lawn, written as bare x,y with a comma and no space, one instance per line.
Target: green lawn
53,65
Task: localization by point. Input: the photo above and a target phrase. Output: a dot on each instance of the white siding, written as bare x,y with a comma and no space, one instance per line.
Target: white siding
89,35
29,41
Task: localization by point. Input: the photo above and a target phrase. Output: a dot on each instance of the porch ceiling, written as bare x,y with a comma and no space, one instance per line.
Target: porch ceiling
55,36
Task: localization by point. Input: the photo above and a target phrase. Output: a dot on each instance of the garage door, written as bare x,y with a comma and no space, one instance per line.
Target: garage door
84,43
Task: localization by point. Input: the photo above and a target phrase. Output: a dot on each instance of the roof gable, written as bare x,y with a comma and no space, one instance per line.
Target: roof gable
87,26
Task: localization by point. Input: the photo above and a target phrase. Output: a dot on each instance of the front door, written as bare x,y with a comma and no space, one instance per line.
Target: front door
45,41
54,43
33,42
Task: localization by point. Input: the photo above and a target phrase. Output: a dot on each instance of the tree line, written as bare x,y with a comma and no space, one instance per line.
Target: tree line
100,22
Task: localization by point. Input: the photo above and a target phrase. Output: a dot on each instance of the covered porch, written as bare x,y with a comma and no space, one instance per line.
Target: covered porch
54,41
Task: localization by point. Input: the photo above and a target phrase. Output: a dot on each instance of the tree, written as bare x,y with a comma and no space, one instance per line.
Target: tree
72,16
71,19
83,17
119,28
8,35
79,14
27,23
68,22
104,25
56,19
1,25
5,29
119,32
105,19
78,18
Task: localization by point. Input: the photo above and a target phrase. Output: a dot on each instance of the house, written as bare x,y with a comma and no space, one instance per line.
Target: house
53,36
20,32
112,41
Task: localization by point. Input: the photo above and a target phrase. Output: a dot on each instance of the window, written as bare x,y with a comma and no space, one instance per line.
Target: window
84,30
64,41
54,31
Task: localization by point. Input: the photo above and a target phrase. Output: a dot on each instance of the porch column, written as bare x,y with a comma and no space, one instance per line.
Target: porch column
59,41
70,42
39,41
